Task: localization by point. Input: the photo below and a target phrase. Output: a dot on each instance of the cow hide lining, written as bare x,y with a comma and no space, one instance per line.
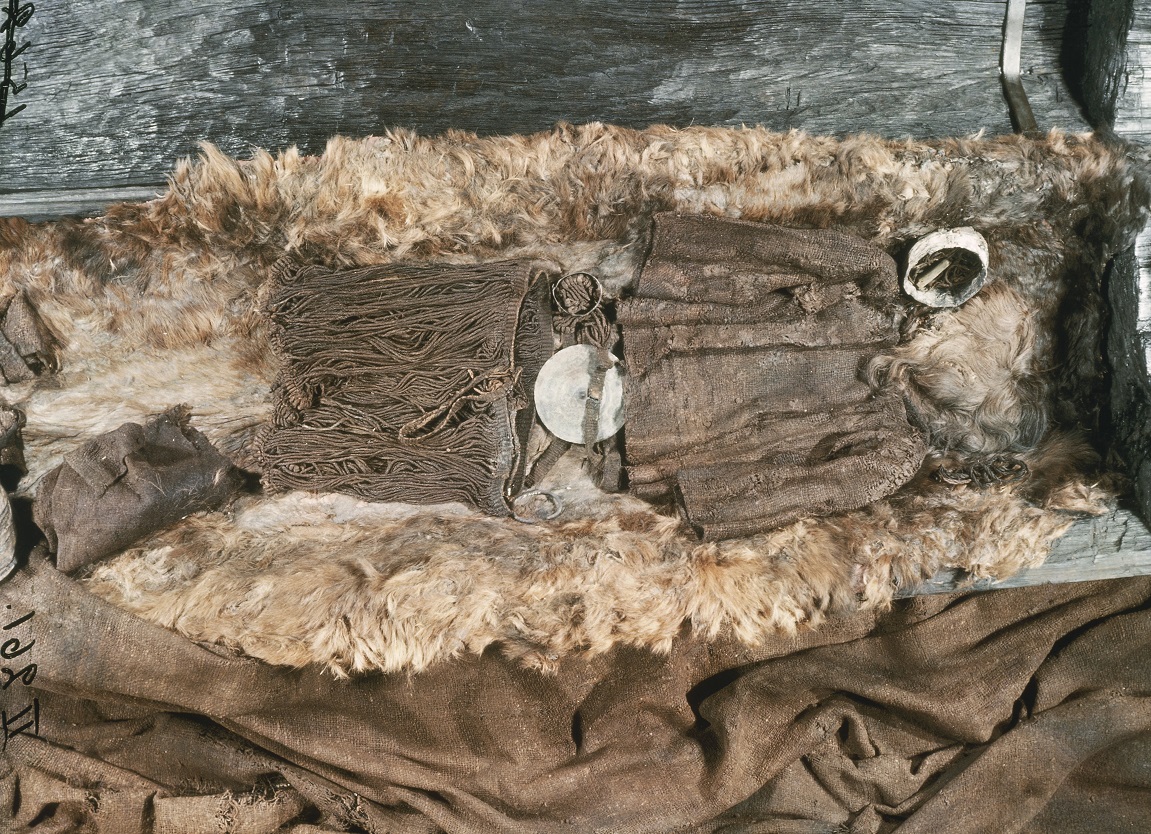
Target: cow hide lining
157,304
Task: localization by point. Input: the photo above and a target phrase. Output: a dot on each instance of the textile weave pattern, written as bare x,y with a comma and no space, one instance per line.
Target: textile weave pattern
745,343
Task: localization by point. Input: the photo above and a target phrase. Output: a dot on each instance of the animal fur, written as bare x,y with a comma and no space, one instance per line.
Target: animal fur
157,304
970,377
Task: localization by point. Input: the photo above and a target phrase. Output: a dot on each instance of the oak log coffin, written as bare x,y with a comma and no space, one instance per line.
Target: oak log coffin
155,305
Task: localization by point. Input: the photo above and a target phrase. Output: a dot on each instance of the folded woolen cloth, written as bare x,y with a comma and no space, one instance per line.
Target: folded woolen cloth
745,345
125,484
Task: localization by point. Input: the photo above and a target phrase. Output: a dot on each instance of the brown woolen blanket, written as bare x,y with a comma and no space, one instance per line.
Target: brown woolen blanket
1012,711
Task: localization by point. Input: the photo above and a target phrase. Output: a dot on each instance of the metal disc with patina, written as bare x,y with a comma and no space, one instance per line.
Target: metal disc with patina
562,393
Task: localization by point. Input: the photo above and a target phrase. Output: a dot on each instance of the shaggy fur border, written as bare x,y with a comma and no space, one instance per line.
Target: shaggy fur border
157,304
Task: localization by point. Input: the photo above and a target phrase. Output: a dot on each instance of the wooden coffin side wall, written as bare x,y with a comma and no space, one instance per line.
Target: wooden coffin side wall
1121,52
118,90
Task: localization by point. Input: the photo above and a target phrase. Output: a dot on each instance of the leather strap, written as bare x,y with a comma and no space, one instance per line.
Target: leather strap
1017,103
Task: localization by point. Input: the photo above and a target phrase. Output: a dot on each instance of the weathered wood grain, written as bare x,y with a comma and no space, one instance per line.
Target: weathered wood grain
1110,547
118,90
1117,81
1132,69
1128,341
46,205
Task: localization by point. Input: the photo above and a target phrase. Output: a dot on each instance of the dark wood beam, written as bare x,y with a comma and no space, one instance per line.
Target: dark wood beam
119,90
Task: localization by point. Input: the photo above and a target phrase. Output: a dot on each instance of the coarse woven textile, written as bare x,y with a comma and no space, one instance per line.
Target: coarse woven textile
406,382
1016,712
26,349
746,346
121,486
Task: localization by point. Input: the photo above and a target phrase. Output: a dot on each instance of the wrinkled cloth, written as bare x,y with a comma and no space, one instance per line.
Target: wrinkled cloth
26,348
406,382
119,487
12,421
1025,710
745,346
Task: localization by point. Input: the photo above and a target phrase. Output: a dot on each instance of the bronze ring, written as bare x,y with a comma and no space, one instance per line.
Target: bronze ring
596,302
557,506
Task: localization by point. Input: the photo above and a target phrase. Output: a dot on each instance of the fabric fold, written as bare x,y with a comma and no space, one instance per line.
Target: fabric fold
1016,711
745,345
27,350
123,485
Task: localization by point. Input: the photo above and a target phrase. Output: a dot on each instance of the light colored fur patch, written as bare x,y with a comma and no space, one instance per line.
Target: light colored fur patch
970,378
299,579
158,303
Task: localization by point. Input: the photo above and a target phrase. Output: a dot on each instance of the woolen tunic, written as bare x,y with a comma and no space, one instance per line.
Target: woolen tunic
746,346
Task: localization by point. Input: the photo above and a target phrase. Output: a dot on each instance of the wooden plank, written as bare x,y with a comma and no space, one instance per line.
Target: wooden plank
118,90
1132,70
1128,345
1119,54
44,205
1109,547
